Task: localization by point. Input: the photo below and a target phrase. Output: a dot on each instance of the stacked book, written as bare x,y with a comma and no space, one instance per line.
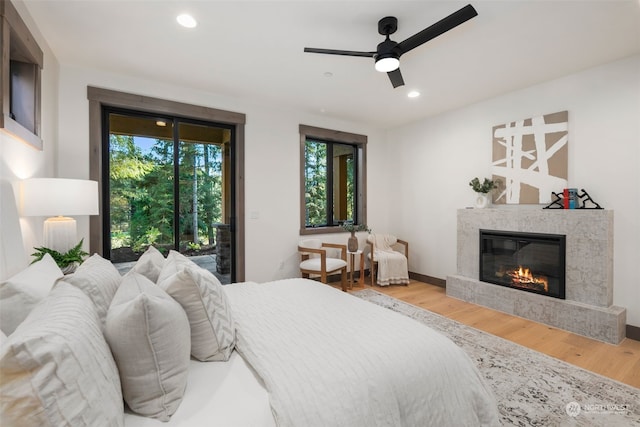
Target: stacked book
571,200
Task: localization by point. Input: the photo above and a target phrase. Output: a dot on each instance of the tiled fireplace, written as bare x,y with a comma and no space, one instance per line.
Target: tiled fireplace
494,246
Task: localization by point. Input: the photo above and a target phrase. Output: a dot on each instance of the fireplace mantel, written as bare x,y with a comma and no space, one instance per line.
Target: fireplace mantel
587,309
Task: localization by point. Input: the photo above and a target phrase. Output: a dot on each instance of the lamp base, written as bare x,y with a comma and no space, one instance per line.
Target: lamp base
60,233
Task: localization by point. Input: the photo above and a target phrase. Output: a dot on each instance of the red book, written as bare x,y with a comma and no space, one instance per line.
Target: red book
565,197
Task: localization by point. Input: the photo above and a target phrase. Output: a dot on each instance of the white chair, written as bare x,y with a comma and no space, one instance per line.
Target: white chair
317,259
392,265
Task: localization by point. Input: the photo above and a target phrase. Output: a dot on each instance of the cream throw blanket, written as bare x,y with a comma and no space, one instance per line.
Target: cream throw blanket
392,265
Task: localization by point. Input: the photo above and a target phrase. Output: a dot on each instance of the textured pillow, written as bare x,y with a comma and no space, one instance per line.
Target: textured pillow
149,265
201,295
99,279
57,369
175,262
20,294
149,336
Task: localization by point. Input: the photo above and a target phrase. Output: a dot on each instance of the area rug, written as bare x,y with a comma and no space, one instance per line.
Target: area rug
532,389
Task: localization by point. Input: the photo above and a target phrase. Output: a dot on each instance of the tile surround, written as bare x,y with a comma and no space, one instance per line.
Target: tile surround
587,309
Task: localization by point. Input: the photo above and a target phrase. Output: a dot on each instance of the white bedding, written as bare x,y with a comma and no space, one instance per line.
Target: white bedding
346,362
218,394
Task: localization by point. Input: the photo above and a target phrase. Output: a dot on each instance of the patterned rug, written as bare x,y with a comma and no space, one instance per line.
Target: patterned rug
532,389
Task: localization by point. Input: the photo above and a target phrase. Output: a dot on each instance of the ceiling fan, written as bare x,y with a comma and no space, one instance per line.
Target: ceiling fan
388,53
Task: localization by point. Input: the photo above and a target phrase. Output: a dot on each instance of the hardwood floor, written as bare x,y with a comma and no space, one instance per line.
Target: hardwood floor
621,362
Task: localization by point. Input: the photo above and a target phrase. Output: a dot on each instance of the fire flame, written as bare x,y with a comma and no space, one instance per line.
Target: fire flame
522,276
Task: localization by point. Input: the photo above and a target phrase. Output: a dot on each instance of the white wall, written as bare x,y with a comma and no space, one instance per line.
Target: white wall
18,160
272,162
437,157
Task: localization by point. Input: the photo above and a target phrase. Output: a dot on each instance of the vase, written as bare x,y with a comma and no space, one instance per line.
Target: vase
483,200
70,268
352,243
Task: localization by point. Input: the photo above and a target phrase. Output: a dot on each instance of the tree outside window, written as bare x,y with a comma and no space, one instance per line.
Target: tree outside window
333,176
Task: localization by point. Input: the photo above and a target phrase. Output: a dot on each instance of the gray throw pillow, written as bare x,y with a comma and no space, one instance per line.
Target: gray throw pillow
149,264
175,262
201,295
22,292
57,369
99,280
149,336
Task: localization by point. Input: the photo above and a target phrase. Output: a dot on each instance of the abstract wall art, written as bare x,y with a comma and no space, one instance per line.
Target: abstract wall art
530,158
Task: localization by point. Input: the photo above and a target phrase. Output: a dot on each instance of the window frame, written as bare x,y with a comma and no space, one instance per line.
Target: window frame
18,46
99,97
340,137
175,121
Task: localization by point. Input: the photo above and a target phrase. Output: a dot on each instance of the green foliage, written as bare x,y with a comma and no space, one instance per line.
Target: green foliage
322,162
315,178
75,254
486,186
120,239
126,160
142,192
351,227
147,239
194,246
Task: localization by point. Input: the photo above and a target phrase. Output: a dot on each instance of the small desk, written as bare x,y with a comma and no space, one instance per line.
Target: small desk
352,262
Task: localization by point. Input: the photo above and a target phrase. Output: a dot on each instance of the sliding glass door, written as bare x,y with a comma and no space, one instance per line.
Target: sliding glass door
169,184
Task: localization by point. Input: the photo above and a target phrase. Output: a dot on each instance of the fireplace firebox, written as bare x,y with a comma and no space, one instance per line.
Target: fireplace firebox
531,262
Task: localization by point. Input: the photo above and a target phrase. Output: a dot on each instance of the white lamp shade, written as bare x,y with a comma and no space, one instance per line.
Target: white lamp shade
59,196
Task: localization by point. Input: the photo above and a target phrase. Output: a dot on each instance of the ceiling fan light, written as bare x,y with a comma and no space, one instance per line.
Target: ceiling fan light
385,65
186,20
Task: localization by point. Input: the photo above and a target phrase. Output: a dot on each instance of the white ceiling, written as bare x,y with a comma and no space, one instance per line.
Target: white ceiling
254,49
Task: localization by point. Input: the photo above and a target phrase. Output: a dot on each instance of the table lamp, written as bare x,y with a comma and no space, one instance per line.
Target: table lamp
56,198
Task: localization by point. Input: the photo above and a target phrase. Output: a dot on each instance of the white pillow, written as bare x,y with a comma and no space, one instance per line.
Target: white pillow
149,264
99,279
3,338
175,262
201,295
20,293
57,369
149,336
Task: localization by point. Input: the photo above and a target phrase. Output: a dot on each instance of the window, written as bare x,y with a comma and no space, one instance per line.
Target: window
21,62
333,174
167,181
204,152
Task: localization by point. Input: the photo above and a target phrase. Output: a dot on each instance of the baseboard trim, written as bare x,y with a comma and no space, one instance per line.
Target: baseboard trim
428,279
633,332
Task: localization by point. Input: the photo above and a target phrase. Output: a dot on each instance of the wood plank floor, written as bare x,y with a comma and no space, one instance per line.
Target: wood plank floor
619,362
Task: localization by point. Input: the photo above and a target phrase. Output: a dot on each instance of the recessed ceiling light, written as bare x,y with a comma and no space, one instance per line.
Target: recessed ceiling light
413,94
186,20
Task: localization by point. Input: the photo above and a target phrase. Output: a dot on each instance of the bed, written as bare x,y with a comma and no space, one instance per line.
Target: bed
309,355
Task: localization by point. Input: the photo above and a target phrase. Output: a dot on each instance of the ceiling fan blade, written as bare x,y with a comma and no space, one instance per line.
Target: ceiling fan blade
339,52
440,27
396,78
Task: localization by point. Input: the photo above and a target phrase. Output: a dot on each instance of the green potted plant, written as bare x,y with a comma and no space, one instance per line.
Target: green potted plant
482,190
486,186
68,261
352,243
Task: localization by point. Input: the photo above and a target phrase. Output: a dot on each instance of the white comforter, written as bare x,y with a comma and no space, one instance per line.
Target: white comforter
330,359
